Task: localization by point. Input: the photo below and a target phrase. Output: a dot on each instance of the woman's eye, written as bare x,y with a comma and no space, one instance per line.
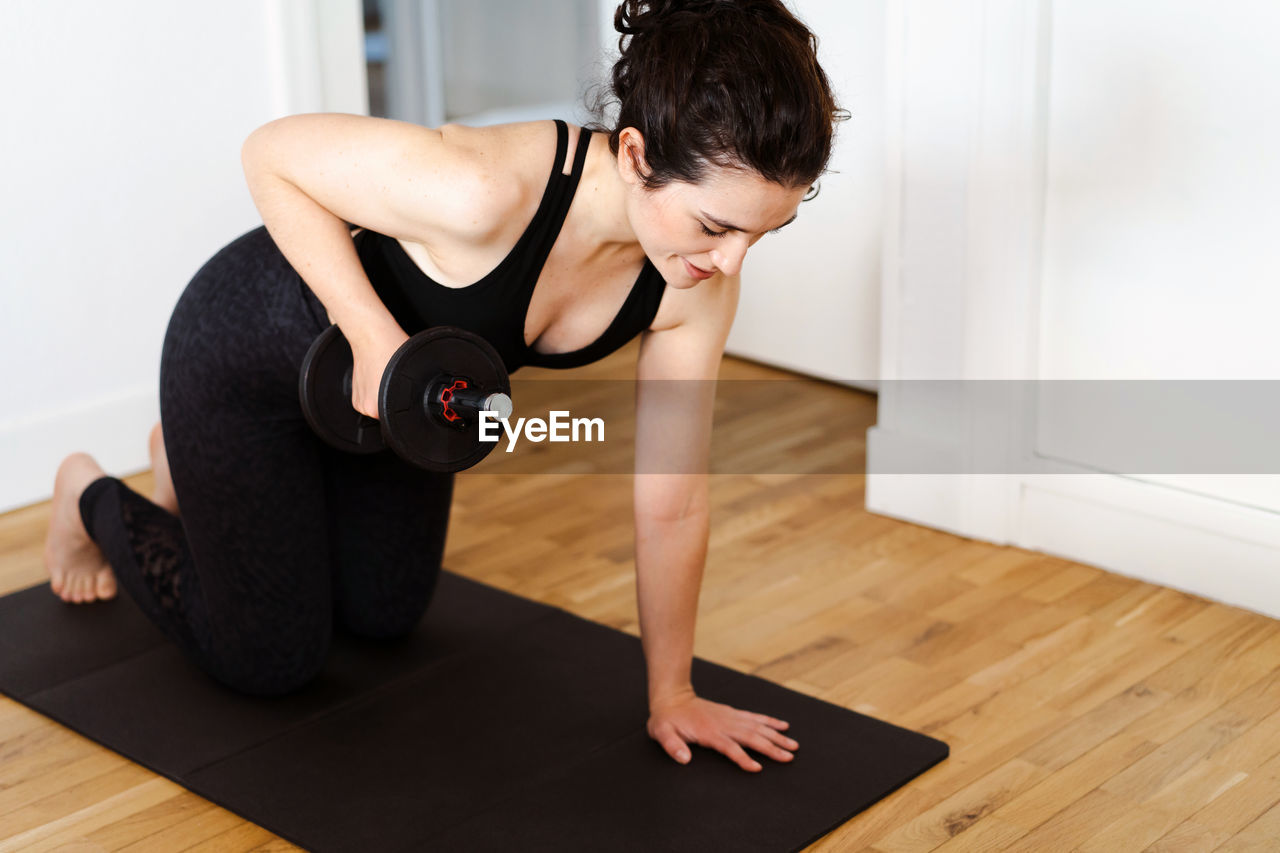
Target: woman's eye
710,233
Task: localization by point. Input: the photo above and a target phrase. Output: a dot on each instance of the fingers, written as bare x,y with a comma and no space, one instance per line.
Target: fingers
772,722
673,744
724,729
736,754
732,748
779,738
763,745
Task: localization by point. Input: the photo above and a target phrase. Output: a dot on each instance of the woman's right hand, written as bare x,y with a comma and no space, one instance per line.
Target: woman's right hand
370,362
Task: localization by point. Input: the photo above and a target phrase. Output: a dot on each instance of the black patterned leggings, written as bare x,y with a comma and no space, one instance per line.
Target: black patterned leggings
281,537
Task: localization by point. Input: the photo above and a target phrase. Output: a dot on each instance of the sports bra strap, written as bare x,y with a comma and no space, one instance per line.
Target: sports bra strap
580,156
562,145
547,223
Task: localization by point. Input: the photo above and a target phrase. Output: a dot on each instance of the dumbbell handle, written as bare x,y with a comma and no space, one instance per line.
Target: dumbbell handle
470,402
466,402
454,401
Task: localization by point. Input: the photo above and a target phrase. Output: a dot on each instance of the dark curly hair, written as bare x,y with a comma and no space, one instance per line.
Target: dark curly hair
727,82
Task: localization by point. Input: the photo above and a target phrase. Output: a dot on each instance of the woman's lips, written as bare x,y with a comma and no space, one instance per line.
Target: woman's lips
697,272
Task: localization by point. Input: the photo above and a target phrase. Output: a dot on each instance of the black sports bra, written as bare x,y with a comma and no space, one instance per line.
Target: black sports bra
495,306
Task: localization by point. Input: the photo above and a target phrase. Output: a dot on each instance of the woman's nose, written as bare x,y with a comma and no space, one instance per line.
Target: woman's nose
728,258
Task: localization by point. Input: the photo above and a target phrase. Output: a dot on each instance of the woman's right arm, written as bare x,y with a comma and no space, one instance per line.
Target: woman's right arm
311,174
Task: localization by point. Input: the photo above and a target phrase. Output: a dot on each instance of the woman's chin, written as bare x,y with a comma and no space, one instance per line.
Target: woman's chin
676,273
680,281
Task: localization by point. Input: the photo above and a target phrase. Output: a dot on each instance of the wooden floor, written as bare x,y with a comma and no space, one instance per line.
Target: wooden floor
1085,711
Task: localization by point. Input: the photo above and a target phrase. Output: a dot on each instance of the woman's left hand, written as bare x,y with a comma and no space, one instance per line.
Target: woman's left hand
683,719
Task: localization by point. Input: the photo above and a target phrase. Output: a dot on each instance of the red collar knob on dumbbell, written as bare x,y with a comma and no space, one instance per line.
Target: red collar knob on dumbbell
429,401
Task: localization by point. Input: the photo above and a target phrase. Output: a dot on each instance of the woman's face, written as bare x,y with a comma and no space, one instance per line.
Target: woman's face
692,231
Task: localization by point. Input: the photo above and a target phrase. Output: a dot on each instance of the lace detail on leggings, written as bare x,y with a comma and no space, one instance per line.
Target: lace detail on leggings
159,550
281,537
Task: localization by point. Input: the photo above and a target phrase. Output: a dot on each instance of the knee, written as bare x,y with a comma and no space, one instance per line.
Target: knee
383,623
385,618
272,669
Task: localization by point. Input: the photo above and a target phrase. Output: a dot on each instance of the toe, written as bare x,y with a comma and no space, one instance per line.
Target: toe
91,586
106,585
55,581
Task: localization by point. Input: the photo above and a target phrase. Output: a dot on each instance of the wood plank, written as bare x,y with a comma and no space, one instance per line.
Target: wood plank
960,811
1258,837
1245,802
55,833
1073,781
242,837
1085,710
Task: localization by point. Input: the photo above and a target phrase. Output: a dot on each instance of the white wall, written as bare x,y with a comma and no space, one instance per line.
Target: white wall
1160,255
490,62
478,34
811,294
121,141
1084,191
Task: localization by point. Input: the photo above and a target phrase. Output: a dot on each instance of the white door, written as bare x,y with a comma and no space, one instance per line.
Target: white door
1082,250
811,294
1160,255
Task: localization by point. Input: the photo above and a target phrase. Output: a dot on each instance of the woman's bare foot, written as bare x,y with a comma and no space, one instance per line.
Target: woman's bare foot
77,570
162,493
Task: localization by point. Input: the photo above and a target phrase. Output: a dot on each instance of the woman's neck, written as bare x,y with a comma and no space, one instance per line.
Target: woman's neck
601,218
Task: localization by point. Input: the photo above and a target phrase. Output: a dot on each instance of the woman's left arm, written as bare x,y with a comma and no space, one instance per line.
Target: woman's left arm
675,394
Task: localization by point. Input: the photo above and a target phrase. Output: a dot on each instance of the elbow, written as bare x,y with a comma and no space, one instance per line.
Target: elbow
248,154
662,514
252,150
672,516
673,502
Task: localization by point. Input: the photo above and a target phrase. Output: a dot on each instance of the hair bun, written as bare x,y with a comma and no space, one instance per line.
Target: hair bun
638,17
732,83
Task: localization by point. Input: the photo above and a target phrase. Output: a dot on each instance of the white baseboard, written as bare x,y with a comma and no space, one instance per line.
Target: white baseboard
113,431
1168,536
771,358
1195,543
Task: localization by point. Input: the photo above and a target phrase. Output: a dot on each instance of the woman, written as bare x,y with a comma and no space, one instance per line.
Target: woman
725,121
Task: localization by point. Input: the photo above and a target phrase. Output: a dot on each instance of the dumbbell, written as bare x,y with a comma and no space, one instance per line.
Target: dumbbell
429,401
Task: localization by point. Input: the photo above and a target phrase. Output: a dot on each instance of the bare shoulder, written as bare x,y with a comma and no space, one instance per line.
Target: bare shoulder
505,162
411,182
523,146
500,172
687,337
503,172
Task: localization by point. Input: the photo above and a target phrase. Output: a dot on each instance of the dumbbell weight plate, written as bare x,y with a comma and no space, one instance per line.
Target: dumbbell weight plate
324,389
420,436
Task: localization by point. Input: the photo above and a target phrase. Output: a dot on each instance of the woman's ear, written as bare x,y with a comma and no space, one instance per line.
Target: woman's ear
631,162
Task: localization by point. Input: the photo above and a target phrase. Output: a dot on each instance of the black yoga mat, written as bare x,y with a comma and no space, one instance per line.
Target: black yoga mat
501,724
